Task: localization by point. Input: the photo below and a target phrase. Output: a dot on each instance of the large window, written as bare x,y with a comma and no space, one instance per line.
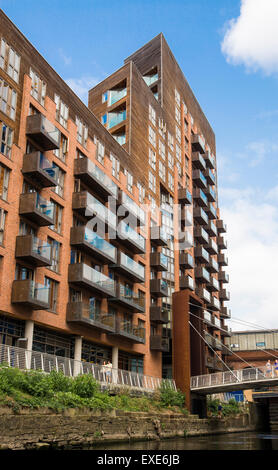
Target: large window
152,158
58,212
3,215
62,151
60,179
82,132
115,166
53,293
38,87
62,111
6,139
9,61
100,150
55,254
4,181
8,99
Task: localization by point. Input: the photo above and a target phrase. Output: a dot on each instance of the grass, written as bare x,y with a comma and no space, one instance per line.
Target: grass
34,390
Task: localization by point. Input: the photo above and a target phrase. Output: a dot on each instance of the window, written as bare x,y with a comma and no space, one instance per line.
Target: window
9,61
58,211
184,108
22,273
142,192
178,115
53,293
161,149
38,87
152,182
60,179
129,180
170,161
62,111
104,97
171,181
82,132
99,150
162,171
177,98
8,97
6,140
4,181
170,141
179,169
152,115
3,215
162,128
178,134
152,136
62,151
178,152
80,154
115,166
152,158
104,119
55,254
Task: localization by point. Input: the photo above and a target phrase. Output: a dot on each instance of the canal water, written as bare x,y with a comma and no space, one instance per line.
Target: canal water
232,441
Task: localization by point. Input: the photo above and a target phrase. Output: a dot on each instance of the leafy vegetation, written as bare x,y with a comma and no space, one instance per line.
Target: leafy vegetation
35,389
227,409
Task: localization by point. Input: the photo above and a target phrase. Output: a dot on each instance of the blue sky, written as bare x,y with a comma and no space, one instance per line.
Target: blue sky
86,41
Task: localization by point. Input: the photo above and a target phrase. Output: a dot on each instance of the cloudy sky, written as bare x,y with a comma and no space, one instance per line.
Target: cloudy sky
228,51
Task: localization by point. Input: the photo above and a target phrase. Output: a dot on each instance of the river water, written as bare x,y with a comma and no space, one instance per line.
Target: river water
232,441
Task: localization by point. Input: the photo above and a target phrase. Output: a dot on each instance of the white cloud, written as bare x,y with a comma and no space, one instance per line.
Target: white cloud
252,39
252,233
82,85
66,59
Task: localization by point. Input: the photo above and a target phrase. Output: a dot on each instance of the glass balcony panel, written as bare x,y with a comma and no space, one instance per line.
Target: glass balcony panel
133,207
41,248
98,242
101,211
127,232
150,79
116,118
116,95
102,178
132,265
45,207
98,278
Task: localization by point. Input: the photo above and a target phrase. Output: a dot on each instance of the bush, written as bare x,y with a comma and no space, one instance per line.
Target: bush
85,386
171,397
59,382
37,384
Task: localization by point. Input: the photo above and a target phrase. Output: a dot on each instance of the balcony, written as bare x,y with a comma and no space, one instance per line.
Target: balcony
158,287
202,275
222,244
129,268
127,298
130,331
186,260
116,95
211,194
82,238
203,294
222,259
201,255
150,78
88,206
187,282
201,235
136,215
200,216
186,217
224,294
214,304
94,177
185,240
184,196
30,294
128,237
115,118
226,331
32,250
86,315
211,229
210,177
211,211
212,266
158,236
213,285
200,197
212,247
210,160
199,179
197,143
225,312
223,277
208,318
36,209
198,161
159,343
42,132
38,168
226,350
159,314
159,261
82,275
221,227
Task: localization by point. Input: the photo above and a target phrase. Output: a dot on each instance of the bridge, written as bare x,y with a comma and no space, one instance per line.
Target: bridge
233,380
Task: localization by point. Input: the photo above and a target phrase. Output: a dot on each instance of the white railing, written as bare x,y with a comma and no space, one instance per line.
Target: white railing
233,377
33,360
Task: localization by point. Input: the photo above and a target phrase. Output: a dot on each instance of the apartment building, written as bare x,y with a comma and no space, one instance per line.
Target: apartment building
111,241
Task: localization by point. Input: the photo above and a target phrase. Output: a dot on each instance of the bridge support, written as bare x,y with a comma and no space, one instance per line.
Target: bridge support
199,405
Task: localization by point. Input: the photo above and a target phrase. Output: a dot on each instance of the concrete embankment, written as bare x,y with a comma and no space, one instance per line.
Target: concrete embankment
74,428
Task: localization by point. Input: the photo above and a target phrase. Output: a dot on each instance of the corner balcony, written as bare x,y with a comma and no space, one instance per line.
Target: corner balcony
222,259
159,343
184,196
36,209
197,143
90,174
33,251
225,312
128,237
159,314
38,168
186,217
210,160
200,216
129,268
86,315
210,177
129,209
186,260
211,229
222,244
88,206
82,238
201,235
212,247
158,236
82,275
202,275
223,277
212,265
187,282
198,161
158,288
42,132
30,294
115,118
221,227
203,294
199,197
159,261
129,330
129,299
199,179
224,294
201,255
